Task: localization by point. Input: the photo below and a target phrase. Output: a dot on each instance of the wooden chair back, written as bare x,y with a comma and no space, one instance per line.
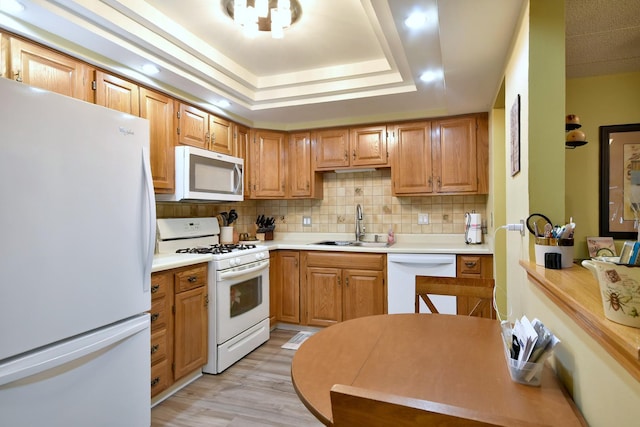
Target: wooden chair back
474,296
357,407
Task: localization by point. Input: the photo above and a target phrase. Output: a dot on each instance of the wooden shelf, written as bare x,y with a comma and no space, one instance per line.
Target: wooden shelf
576,292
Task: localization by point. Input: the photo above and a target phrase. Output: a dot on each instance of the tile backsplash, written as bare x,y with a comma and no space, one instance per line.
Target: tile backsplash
336,212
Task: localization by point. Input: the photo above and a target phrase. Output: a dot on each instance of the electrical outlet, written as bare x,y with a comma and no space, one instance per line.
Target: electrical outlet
306,221
423,218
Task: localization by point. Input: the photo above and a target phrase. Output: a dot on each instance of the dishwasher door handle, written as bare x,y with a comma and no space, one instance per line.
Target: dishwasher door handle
421,259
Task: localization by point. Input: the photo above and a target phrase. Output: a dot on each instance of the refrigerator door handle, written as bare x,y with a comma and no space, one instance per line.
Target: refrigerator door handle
150,225
58,354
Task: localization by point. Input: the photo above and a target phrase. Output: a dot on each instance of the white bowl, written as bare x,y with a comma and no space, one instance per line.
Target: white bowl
619,289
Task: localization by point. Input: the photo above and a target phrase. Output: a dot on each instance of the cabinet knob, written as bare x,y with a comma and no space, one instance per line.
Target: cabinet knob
470,264
192,279
154,316
155,381
17,76
346,156
155,348
155,288
346,282
354,154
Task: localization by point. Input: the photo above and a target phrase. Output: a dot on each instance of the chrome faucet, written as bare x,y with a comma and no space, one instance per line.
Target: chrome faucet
359,226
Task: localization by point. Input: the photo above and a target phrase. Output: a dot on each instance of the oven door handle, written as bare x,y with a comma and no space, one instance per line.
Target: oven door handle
235,272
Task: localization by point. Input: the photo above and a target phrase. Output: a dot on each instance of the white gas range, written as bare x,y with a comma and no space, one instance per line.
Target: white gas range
238,287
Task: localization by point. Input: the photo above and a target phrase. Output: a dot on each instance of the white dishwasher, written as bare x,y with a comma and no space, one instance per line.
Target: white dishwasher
402,270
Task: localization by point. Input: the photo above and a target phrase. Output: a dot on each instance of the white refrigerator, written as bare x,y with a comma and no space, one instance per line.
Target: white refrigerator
77,237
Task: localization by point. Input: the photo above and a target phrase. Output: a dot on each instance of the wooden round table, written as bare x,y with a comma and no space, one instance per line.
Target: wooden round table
453,360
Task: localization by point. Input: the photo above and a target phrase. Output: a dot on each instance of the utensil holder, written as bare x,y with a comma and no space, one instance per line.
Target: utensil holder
226,234
561,247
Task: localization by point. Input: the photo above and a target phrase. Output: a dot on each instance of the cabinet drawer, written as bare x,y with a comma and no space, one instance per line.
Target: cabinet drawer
346,260
158,345
160,283
160,377
480,266
191,278
159,313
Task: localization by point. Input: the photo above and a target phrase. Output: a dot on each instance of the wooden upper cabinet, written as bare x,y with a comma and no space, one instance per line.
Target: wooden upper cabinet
116,93
447,156
368,146
241,147
198,128
268,163
303,181
158,109
357,147
331,148
47,69
193,126
411,160
455,165
221,135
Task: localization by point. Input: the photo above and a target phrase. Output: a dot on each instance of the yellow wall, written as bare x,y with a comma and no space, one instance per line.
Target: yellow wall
606,394
598,101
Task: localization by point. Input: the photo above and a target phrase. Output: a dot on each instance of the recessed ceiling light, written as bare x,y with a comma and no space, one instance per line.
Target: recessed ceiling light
430,76
11,6
150,69
416,20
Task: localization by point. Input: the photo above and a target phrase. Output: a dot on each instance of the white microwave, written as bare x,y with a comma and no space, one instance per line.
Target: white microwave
203,175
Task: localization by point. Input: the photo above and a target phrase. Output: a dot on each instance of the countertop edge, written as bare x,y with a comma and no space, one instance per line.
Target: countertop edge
577,293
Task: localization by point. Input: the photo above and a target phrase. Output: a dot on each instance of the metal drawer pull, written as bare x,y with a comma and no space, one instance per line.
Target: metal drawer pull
470,264
155,348
154,316
192,279
155,288
155,381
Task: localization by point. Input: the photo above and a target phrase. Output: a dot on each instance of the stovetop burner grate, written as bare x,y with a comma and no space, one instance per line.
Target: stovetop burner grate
218,248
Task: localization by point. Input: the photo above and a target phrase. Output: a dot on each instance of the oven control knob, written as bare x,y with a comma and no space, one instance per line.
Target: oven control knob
232,262
238,261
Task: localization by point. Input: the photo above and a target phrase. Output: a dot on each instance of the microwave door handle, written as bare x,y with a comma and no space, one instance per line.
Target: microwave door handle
238,178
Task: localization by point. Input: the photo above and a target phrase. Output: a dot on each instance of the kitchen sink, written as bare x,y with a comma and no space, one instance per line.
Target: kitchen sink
352,243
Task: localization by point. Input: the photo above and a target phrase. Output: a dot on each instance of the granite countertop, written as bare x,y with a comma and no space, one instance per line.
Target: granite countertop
405,243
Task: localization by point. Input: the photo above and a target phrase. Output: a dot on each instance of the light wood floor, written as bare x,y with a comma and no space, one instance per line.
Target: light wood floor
256,391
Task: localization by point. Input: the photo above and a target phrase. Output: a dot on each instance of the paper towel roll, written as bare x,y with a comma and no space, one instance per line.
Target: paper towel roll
473,233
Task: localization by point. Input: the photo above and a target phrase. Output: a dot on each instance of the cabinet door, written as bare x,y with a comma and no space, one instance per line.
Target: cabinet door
454,155
46,69
158,109
369,146
363,293
288,287
324,296
300,165
331,148
116,93
268,165
221,135
411,168
190,335
241,146
193,126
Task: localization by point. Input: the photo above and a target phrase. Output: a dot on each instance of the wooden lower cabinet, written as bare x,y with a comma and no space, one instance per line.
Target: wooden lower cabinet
161,330
339,286
179,324
285,266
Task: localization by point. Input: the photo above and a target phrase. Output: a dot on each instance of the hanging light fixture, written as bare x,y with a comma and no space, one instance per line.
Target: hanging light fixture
264,15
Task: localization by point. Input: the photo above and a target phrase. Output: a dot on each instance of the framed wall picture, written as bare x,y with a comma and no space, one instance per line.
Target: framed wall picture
620,181
515,136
